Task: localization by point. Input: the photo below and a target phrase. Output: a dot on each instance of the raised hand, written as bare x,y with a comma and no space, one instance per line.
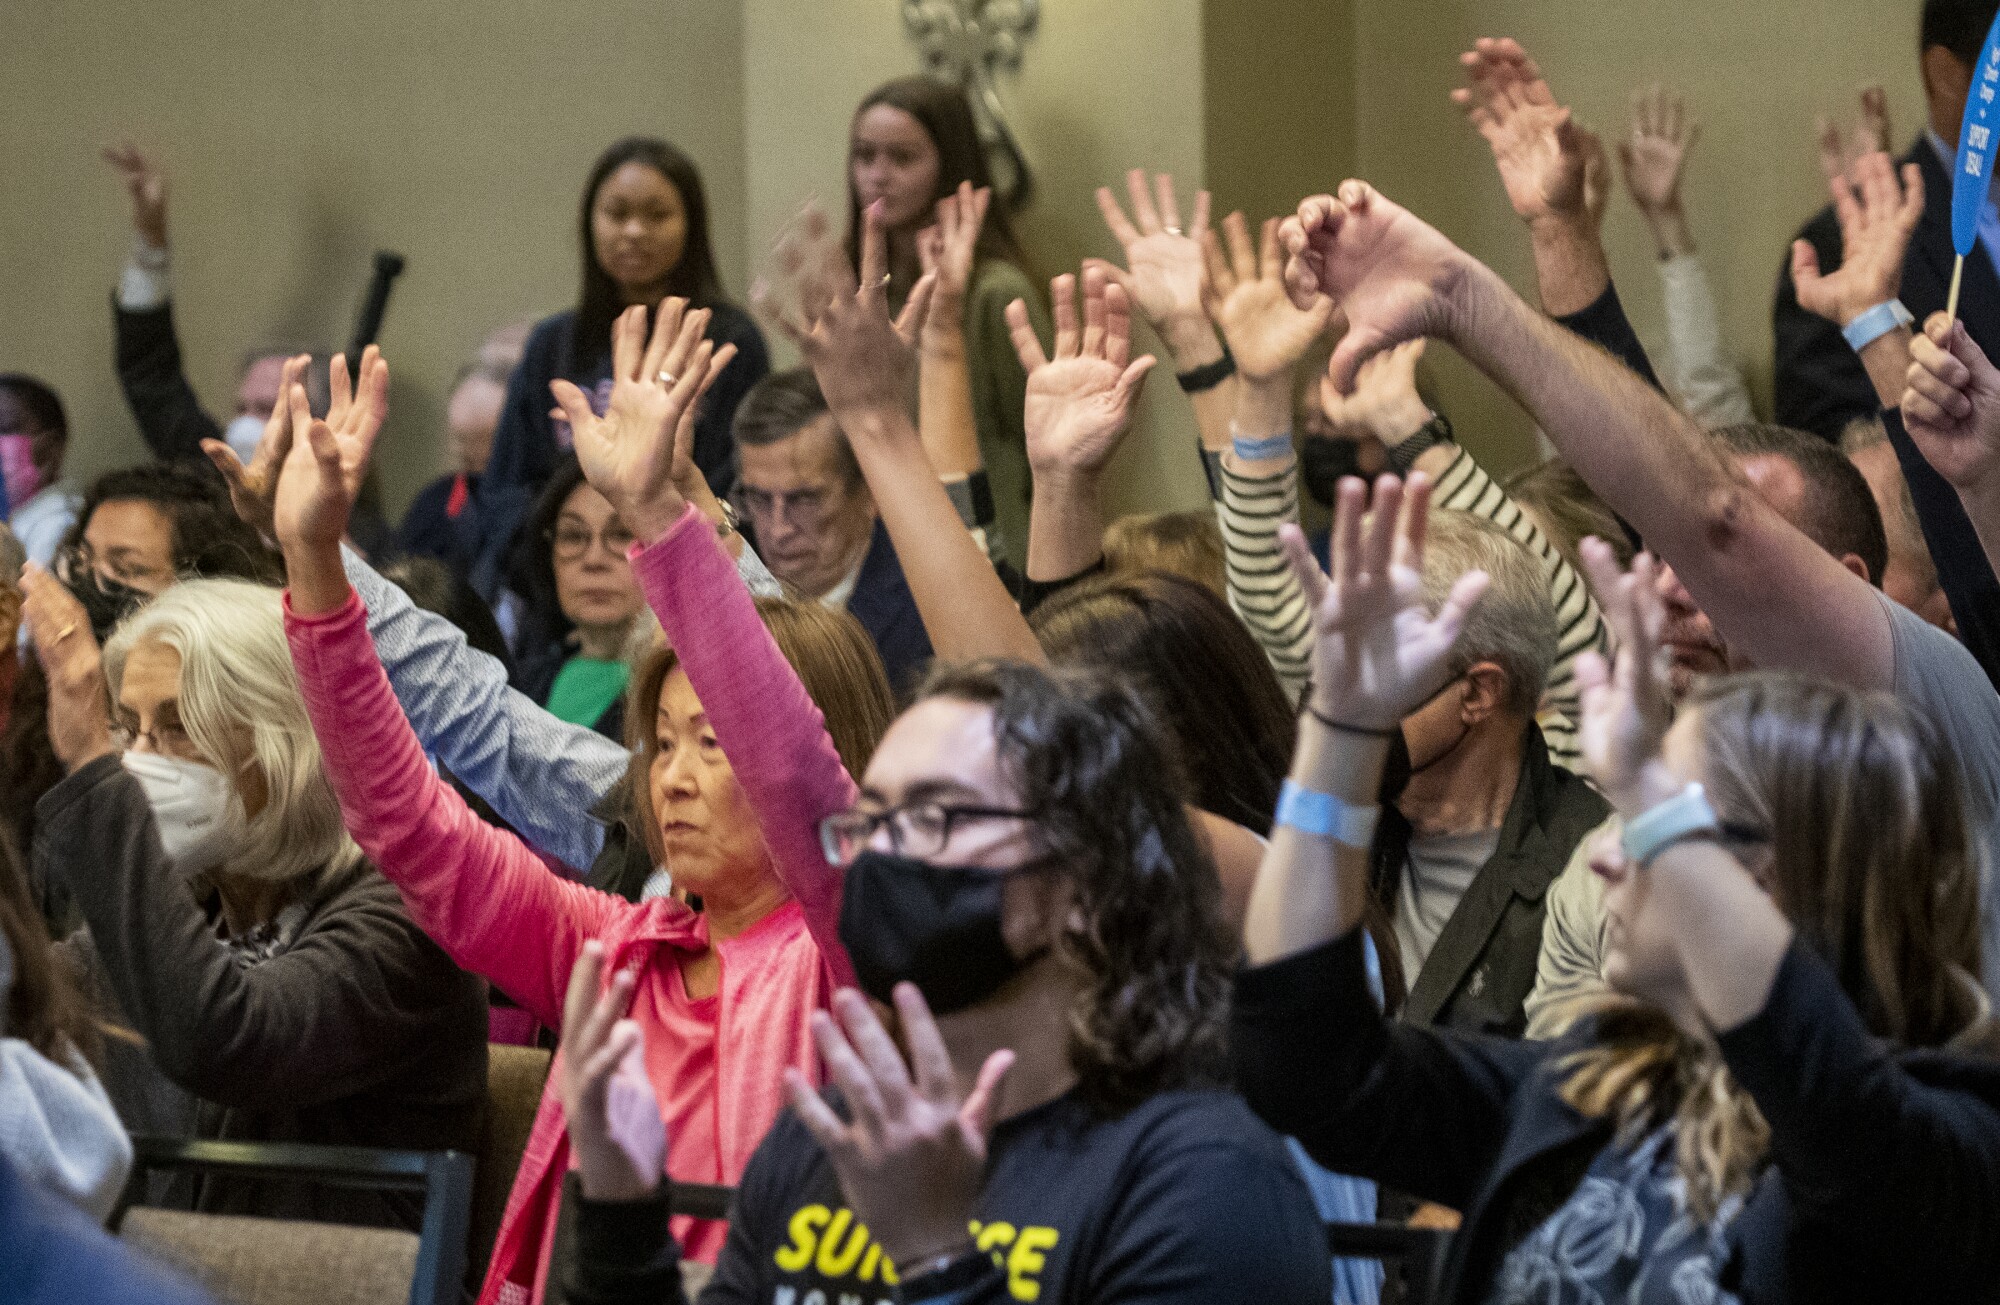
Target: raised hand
638,454
615,1128
1538,148
1163,268
949,250
1385,402
1378,652
328,459
79,724
1878,214
1079,402
911,1156
253,490
1394,277
1839,151
865,361
1654,153
1952,406
147,189
1244,293
1627,703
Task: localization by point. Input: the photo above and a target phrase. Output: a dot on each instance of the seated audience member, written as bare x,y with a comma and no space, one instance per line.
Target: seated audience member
231,922
443,520
736,766
643,234
58,1131
142,529
170,415
34,435
1763,552
809,509
913,142
1653,154
580,628
1025,895
1792,1094
1908,576
1818,384
1186,544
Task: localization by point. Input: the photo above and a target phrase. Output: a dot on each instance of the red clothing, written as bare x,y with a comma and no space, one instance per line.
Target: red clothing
490,902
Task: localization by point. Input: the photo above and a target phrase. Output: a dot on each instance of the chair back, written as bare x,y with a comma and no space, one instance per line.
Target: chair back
515,1077
1420,1253
253,1261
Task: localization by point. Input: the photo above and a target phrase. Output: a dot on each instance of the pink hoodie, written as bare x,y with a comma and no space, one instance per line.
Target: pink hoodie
498,910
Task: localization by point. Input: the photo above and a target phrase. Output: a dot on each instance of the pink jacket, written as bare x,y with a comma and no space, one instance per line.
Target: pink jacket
489,901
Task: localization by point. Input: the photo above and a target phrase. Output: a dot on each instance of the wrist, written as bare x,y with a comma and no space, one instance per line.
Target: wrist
1066,481
1399,419
650,521
1263,405
1190,338
1645,789
315,578
1671,237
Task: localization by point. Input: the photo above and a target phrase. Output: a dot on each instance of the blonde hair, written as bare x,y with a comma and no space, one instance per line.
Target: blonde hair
1872,861
1567,510
237,683
1514,625
1186,544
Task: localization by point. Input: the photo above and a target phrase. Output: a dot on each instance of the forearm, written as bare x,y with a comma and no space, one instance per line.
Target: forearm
945,418
1729,933
1887,362
1262,588
315,578
1709,386
1065,524
1671,237
1982,509
1956,548
1192,342
1570,267
1313,889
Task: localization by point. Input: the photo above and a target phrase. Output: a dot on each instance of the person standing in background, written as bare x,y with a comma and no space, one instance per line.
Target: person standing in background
34,436
912,143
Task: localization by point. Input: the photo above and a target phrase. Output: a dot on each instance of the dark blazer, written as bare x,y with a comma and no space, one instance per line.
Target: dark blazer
360,1033
173,423
883,604
428,528
1819,384
1482,967
1885,1181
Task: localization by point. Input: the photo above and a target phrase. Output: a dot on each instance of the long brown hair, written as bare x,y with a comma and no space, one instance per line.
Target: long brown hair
941,110
1872,861
835,661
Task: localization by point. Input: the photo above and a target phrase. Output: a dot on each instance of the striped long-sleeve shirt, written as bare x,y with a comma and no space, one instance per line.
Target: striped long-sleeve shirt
1267,596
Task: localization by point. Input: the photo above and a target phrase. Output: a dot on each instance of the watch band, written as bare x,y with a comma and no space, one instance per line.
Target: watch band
1327,816
1685,815
1195,380
1876,323
1404,455
730,523
1211,466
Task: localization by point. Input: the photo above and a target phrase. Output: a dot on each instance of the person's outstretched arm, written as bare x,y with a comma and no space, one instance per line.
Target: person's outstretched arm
1652,157
946,421
1769,590
764,721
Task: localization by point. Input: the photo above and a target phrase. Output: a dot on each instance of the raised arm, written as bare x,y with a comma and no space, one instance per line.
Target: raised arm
946,420
478,891
1652,156
1769,590
767,725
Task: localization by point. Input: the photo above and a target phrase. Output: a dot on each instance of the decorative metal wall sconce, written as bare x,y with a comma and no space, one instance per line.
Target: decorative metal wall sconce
965,42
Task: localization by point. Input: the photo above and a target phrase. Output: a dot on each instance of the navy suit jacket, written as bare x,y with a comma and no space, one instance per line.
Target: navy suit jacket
883,604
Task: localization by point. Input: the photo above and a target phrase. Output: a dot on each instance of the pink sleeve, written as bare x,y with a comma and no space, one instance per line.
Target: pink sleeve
768,726
479,892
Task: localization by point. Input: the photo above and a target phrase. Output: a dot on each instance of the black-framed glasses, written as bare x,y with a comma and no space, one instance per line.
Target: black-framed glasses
74,560
570,542
919,829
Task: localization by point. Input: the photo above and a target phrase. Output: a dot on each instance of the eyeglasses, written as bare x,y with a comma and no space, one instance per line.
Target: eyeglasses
169,740
571,542
919,829
77,558
805,509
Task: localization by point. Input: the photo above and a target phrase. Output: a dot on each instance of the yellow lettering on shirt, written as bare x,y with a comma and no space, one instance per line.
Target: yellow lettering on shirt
804,1228
994,1234
834,1261
1027,1260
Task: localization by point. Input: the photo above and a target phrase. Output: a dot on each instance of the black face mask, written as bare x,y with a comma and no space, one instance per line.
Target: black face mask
935,926
1323,461
106,602
1397,767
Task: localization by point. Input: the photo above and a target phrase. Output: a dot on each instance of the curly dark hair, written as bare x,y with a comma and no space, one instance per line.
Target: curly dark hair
209,539
1088,756
1208,682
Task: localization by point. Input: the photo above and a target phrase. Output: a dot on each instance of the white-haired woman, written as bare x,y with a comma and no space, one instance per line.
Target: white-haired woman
270,969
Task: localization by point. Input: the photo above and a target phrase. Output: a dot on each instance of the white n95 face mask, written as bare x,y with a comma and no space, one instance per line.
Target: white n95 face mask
198,811
243,435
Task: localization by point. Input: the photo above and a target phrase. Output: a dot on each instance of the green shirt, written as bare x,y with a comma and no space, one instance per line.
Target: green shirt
585,688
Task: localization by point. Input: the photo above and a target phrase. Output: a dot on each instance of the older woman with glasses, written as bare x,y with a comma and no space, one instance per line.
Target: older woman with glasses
753,718
581,627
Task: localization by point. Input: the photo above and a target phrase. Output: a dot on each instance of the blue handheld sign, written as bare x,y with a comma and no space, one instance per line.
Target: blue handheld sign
1978,141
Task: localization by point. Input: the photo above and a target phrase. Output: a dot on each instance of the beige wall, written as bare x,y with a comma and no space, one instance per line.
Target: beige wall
302,137
1755,74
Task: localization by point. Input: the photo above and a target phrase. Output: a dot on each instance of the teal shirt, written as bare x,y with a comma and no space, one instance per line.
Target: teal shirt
585,688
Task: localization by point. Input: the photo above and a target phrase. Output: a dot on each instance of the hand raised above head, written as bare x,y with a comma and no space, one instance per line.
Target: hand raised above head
1878,213
632,453
77,700
1653,154
1163,262
328,460
1246,296
1627,701
1079,403
1538,148
253,490
1378,652
1839,150
147,189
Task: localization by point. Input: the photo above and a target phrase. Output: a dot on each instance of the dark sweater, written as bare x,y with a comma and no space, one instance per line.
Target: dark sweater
360,1032
1885,1174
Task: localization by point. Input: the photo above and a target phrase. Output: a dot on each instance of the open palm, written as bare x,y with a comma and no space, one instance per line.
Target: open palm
1534,142
1079,403
1244,292
328,459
